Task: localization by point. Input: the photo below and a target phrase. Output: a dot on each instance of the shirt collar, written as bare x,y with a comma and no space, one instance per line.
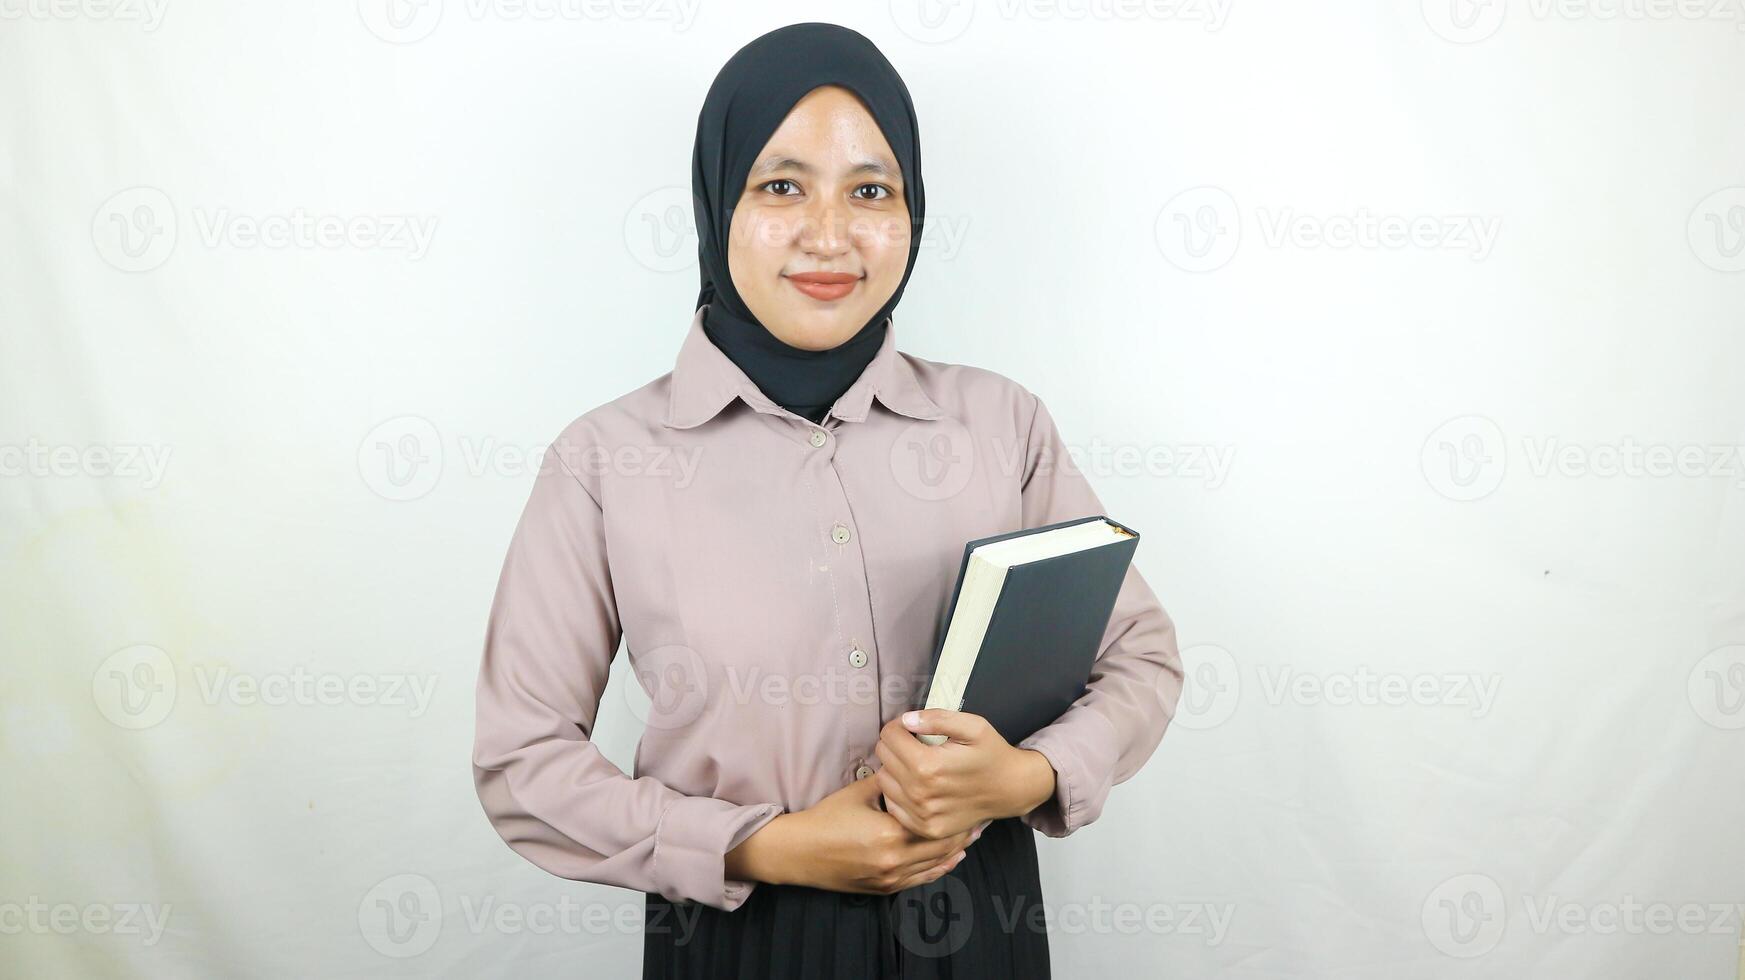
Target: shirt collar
705,380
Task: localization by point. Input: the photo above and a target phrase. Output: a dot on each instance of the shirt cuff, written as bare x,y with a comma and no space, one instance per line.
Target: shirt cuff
691,842
1083,747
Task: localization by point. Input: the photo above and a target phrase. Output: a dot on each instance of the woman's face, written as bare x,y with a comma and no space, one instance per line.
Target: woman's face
824,201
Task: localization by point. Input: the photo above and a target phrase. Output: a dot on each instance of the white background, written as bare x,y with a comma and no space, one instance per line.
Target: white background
1463,610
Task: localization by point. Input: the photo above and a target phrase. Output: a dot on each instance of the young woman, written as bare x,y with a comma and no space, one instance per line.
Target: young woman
773,528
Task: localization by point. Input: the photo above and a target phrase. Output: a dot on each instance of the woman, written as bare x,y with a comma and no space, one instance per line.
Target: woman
774,528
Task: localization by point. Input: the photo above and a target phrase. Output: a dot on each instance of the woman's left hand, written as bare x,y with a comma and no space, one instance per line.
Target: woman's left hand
972,778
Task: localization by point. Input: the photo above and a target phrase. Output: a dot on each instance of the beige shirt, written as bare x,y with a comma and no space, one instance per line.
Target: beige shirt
779,587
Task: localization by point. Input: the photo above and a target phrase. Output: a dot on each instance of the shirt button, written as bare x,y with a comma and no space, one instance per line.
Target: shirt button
817,437
839,534
857,657
862,772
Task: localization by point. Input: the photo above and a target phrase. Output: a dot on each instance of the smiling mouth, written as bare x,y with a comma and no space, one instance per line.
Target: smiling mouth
824,285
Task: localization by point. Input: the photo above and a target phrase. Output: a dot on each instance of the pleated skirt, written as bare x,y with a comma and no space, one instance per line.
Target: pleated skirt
983,919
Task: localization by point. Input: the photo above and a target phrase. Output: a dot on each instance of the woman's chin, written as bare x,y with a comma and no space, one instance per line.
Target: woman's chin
816,329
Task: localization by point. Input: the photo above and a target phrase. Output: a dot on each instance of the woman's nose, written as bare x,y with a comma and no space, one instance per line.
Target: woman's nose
824,229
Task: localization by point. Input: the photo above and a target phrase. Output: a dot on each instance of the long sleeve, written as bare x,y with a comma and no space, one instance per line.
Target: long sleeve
1136,682
550,793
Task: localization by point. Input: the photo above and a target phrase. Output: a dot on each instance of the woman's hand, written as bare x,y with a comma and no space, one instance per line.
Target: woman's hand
938,791
845,843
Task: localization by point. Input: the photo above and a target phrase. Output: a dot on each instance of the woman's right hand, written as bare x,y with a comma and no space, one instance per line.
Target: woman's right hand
845,843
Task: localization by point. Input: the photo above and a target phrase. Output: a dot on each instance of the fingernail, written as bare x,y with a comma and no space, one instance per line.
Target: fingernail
977,835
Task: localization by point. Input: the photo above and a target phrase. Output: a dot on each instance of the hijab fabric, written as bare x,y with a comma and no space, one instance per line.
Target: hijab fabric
748,100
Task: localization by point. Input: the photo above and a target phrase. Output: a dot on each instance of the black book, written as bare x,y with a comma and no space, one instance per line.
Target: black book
1026,621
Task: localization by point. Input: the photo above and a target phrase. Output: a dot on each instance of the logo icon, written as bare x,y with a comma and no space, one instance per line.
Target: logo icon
135,687
135,230
401,916
660,230
401,459
1211,688
400,21
1465,916
1465,458
1199,229
1717,230
932,21
933,460
1716,687
1464,21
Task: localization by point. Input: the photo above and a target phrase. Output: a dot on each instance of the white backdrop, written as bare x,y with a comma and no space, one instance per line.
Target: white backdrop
1409,334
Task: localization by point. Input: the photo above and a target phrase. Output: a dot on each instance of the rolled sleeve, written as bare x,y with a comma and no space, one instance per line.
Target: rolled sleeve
1136,680
691,844
546,788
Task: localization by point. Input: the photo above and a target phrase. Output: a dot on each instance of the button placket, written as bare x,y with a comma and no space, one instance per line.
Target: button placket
863,717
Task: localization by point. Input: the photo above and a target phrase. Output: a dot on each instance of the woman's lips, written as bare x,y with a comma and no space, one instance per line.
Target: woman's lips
824,285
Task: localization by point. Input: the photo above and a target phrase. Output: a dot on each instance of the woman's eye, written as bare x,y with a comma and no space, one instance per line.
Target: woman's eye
883,191
778,182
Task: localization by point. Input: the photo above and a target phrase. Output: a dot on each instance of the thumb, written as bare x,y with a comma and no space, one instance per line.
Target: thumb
959,726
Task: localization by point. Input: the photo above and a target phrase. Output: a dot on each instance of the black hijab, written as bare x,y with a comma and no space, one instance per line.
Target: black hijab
747,102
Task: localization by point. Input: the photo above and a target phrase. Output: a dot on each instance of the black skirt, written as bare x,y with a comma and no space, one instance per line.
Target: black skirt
984,918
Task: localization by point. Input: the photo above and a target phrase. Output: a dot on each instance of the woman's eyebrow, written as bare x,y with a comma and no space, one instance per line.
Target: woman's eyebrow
773,164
